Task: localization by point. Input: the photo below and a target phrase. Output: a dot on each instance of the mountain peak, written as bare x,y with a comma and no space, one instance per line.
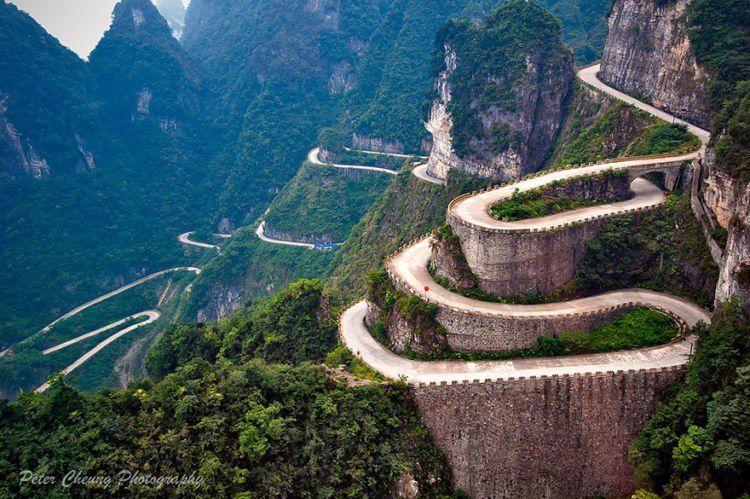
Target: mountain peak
138,16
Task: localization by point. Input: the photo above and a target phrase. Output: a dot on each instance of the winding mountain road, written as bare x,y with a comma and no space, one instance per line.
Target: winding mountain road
116,292
420,171
314,157
184,238
357,338
151,316
476,209
410,267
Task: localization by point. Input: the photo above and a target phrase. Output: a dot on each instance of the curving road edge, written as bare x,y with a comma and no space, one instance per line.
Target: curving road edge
410,267
184,238
151,316
314,157
116,292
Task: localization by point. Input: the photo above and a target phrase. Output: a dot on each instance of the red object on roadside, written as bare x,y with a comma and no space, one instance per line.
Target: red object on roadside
426,289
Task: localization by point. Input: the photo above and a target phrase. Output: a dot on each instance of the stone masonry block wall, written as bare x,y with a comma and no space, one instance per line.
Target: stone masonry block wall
521,263
469,330
545,437
487,333
510,263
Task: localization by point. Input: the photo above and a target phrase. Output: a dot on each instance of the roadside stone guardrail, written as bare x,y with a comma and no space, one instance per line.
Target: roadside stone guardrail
533,381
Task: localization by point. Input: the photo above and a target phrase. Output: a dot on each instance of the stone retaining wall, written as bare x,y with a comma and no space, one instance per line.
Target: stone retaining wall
511,263
488,333
474,331
515,263
544,437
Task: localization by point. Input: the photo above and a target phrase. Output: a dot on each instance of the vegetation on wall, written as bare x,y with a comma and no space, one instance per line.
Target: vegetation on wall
637,328
546,201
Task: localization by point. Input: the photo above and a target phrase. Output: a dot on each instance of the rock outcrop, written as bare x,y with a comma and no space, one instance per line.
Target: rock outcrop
375,144
719,192
734,277
498,102
649,54
449,262
17,156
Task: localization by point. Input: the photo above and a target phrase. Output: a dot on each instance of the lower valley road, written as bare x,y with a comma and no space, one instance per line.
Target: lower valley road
151,316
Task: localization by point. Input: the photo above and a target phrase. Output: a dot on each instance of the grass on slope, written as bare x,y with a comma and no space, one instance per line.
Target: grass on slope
408,209
599,127
324,203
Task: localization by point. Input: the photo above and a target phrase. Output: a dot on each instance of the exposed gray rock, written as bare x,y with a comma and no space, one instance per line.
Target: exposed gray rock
450,264
222,301
20,159
342,79
375,144
531,125
648,54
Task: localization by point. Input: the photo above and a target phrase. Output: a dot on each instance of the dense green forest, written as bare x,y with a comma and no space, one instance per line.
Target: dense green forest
231,416
698,442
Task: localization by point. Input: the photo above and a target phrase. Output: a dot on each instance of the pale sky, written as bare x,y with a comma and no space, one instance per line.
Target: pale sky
78,24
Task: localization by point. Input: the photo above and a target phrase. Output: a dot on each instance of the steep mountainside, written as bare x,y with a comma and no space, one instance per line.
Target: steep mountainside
384,110
126,156
47,123
722,44
142,71
649,54
499,92
277,70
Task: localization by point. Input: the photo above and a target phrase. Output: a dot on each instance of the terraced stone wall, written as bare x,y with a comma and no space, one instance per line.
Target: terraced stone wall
542,437
514,263
475,332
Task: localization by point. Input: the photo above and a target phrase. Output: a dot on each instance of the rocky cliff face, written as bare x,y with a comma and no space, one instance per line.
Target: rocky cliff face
648,54
499,94
449,262
729,200
17,156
